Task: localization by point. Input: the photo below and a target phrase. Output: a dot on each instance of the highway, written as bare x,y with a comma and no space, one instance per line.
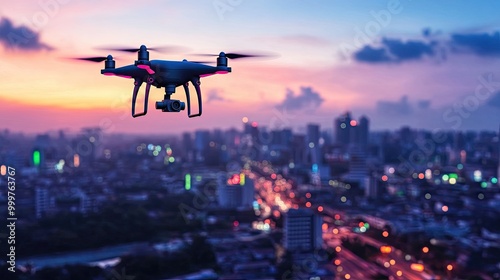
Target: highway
274,196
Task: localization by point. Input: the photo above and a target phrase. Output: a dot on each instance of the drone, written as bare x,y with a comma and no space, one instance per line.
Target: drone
165,74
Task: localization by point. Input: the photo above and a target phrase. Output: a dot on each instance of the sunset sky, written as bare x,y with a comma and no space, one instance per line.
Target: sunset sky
427,64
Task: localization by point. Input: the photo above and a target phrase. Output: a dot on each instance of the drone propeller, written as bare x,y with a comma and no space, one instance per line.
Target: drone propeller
92,59
240,55
162,49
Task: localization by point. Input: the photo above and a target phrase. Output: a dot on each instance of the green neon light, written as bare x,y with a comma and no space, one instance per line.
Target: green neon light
36,158
187,182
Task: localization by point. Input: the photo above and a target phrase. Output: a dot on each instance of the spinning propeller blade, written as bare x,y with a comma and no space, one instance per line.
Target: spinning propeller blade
163,49
92,59
241,55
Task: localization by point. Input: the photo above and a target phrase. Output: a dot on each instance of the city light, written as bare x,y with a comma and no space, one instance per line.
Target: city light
335,231
417,267
449,267
444,208
425,250
308,204
244,120
385,249
385,233
385,178
76,160
478,175
320,208
187,182
36,157
324,227
242,179
399,273
3,170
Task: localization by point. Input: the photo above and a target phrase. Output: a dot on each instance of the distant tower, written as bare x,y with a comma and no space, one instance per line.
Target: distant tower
201,139
42,201
363,131
236,192
187,143
312,142
342,128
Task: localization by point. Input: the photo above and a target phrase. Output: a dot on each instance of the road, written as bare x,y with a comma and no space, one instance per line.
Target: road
276,193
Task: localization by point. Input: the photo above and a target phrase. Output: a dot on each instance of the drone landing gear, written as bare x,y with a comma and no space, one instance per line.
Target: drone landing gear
196,83
137,85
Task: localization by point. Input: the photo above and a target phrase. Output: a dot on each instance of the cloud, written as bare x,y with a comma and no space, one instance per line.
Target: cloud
482,44
403,107
395,50
408,50
306,99
215,95
20,37
390,50
372,55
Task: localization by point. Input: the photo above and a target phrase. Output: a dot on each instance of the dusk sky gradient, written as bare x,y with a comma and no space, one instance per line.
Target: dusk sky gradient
426,64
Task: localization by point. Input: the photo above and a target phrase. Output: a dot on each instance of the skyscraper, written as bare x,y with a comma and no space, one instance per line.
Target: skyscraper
236,192
342,128
302,230
200,144
312,142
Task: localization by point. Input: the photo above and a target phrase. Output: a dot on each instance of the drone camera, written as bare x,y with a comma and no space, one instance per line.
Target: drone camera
170,105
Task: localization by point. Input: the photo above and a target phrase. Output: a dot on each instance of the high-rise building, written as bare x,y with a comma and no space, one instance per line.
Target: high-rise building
236,192
302,230
298,144
187,146
42,201
312,142
363,131
201,139
342,128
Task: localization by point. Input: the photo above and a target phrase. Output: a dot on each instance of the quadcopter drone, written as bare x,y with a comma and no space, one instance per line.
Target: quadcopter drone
165,74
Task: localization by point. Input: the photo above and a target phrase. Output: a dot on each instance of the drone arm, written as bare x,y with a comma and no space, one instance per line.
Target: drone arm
137,85
196,83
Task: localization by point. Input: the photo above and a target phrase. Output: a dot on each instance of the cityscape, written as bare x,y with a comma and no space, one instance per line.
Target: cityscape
255,202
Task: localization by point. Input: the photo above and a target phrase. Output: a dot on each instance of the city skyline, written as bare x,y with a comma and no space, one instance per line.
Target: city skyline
400,63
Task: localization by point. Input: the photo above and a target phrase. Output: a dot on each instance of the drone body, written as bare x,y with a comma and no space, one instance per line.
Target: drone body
165,74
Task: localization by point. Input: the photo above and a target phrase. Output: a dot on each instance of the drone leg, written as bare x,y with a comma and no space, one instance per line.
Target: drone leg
188,99
196,83
137,85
